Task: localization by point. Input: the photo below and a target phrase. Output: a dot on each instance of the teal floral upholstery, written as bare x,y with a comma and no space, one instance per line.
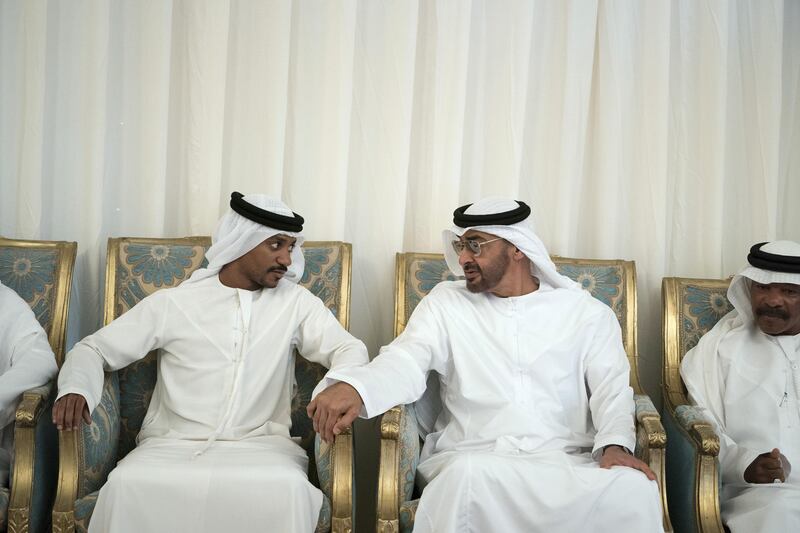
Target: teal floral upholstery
99,453
325,516
83,511
4,496
30,272
408,513
701,308
144,266
423,275
409,452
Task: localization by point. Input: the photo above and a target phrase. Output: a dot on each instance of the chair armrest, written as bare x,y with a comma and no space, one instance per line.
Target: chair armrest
651,441
692,419
342,481
388,471
86,456
693,474
650,432
28,414
33,403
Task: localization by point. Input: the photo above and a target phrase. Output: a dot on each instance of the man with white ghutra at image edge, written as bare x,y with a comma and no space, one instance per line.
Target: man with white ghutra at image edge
745,374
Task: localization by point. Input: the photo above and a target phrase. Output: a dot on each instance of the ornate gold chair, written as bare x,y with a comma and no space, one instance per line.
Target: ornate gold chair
137,267
691,308
612,282
41,273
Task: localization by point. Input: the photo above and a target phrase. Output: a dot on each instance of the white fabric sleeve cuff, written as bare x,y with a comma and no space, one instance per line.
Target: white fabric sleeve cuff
734,467
608,440
91,401
82,374
333,377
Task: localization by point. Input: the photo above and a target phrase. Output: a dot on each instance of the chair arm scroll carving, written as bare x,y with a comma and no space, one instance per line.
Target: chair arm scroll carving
696,424
342,500
650,421
28,414
388,520
33,403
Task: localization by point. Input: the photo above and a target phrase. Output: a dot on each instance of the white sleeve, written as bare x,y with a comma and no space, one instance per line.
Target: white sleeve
322,339
703,378
607,374
25,349
398,374
126,340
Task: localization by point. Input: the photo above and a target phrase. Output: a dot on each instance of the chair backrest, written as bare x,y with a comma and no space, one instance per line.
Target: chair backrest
691,307
138,267
41,273
613,282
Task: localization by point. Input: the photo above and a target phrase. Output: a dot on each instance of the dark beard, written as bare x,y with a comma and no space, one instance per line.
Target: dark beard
490,276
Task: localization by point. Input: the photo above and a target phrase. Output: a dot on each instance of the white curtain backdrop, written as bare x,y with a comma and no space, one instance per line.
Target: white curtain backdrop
667,132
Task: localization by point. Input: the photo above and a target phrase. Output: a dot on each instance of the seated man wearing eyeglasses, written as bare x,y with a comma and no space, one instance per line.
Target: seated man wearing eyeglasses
535,413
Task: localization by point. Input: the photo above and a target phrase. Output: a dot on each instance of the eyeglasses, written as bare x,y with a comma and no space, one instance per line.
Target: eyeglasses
473,245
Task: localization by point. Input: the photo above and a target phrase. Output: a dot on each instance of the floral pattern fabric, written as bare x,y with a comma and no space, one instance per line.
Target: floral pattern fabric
84,508
408,512
31,273
700,309
100,439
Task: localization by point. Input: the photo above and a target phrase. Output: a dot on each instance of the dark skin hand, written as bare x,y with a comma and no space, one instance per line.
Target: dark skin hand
334,409
616,456
768,467
68,412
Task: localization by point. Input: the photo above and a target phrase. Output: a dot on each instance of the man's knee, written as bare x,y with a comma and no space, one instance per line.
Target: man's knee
630,490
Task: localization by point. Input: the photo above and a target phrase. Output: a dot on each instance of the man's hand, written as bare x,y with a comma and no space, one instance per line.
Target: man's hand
616,456
768,467
68,411
334,409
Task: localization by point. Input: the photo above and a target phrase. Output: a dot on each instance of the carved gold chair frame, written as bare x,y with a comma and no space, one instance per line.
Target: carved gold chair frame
35,402
71,445
650,435
696,507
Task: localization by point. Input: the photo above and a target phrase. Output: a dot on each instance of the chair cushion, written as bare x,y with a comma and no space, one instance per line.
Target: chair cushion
4,496
701,308
408,512
30,272
100,440
409,452
83,512
325,514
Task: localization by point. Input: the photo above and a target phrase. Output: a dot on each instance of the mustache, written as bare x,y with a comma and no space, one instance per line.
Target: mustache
277,269
776,313
471,267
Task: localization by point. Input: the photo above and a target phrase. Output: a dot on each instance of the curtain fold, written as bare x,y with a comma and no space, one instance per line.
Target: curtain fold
663,132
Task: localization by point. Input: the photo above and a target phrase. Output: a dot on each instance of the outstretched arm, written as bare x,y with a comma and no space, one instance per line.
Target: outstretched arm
397,376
